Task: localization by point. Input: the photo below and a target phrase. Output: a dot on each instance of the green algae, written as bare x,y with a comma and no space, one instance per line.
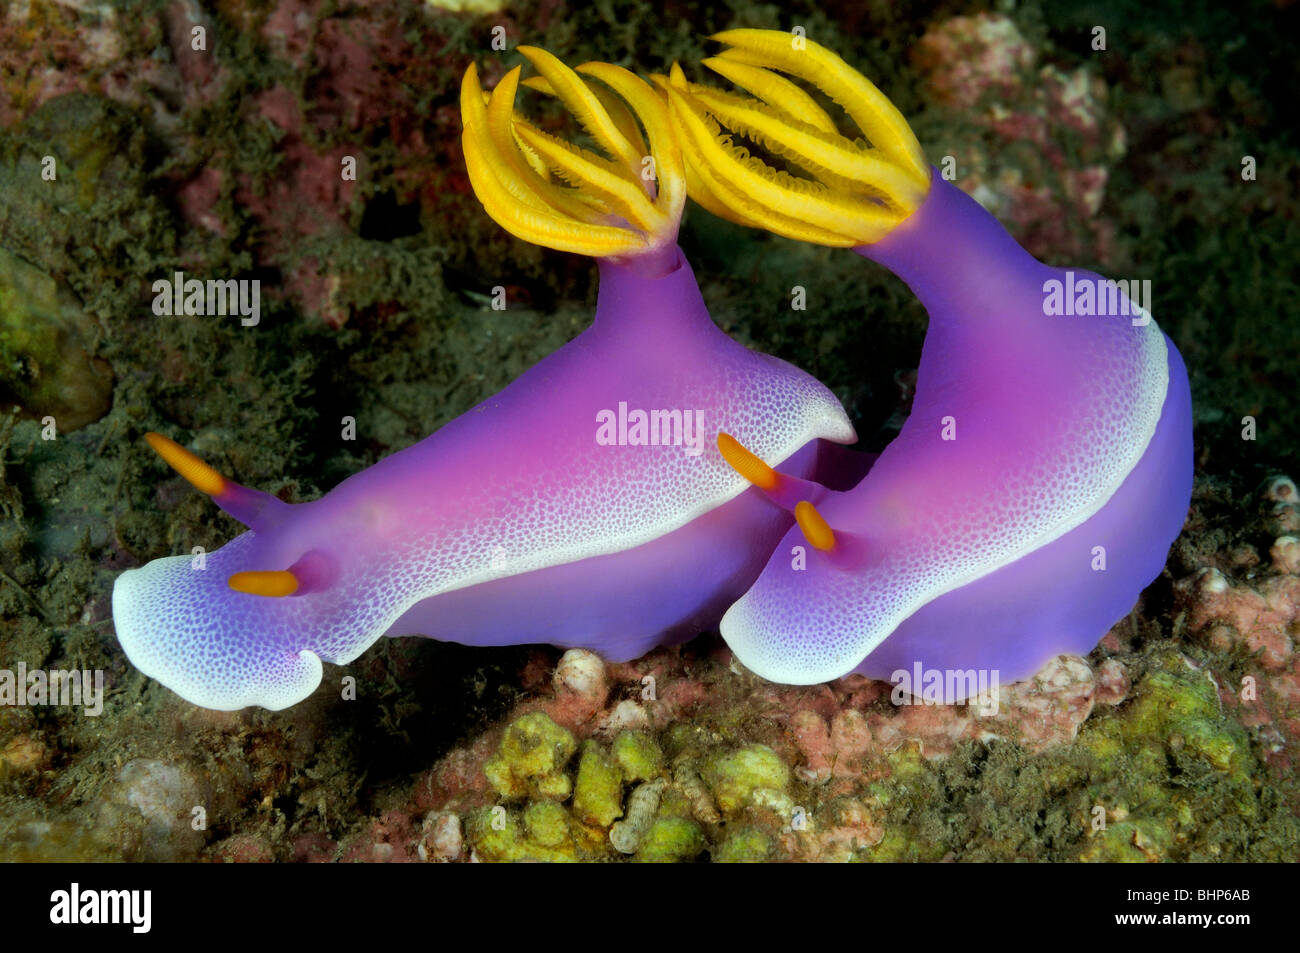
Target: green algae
737,778
746,846
1130,842
97,224
598,792
638,755
1175,713
1171,776
671,840
43,348
500,836
531,759
1174,718
898,846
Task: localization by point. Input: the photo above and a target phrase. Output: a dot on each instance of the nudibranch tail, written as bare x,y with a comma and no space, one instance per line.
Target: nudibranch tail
551,192
855,193
253,508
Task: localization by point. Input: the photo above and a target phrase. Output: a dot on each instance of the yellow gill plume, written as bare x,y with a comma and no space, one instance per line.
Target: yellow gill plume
551,192
857,191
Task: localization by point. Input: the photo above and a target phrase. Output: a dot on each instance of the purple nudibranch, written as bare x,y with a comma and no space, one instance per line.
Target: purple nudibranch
1033,492
586,505
1046,466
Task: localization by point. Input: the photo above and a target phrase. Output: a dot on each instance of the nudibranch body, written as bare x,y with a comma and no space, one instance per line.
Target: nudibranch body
584,505
1046,466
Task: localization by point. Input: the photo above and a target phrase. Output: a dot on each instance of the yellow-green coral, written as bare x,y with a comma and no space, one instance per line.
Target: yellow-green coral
501,836
734,778
670,840
531,759
547,823
1174,716
638,755
1175,712
746,846
598,795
